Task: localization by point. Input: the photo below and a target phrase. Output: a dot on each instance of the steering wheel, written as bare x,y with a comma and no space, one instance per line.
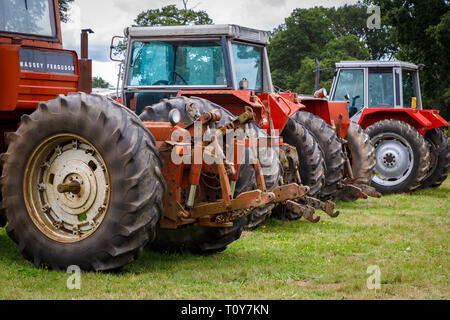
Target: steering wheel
160,82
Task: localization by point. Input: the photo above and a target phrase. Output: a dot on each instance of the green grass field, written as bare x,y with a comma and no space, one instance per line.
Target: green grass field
407,236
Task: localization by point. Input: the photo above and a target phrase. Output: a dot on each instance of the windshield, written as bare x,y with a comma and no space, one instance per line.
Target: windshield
34,17
247,65
177,63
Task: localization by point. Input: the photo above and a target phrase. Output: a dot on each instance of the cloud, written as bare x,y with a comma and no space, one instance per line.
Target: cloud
108,70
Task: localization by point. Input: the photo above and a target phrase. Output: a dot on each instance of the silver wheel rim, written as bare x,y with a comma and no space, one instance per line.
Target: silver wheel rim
62,162
395,159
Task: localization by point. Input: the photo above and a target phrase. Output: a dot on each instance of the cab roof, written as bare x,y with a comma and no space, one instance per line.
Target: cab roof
229,30
376,63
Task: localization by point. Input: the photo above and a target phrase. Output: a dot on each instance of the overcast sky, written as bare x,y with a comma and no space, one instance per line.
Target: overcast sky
109,17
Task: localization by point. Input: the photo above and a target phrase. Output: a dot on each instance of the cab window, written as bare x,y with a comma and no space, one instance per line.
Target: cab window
177,63
34,17
350,85
409,87
248,65
381,88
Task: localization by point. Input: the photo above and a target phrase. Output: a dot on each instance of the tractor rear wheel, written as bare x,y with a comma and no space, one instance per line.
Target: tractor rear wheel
331,149
402,156
440,158
312,166
361,154
311,162
82,184
193,238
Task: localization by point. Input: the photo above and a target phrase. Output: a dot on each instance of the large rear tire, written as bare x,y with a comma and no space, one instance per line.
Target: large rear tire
312,166
311,162
402,156
331,149
440,158
361,154
105,221
193,238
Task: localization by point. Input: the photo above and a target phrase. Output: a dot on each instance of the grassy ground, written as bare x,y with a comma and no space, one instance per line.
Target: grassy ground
407,236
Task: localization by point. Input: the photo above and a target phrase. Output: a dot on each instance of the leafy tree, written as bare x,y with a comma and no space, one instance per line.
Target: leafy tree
99,82
167,16
421,31
172,16
64,7
352,19
305,35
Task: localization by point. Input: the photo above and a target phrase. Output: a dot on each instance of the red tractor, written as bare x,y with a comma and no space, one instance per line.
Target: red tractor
87,182
33,64
384,97
317,127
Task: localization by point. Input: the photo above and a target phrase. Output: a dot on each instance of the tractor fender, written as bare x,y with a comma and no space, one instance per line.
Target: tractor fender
422,120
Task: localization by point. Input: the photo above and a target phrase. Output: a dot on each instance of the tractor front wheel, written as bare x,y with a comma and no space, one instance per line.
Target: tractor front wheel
82,184
402,156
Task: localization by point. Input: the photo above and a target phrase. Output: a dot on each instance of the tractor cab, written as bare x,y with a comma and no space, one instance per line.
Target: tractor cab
376,84
162,61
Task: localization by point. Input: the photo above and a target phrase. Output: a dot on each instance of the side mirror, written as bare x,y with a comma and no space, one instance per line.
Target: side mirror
321,93
118,49
347,97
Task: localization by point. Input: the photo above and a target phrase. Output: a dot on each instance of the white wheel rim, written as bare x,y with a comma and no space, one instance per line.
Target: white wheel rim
395,159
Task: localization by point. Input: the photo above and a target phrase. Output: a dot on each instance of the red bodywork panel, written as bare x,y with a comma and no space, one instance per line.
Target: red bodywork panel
422,120
235,101
23,90
329,111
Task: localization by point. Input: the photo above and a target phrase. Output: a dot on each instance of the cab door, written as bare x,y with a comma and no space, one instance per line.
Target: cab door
349,84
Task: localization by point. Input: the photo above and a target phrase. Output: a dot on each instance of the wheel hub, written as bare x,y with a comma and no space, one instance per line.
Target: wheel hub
394,159
67,188
389,160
